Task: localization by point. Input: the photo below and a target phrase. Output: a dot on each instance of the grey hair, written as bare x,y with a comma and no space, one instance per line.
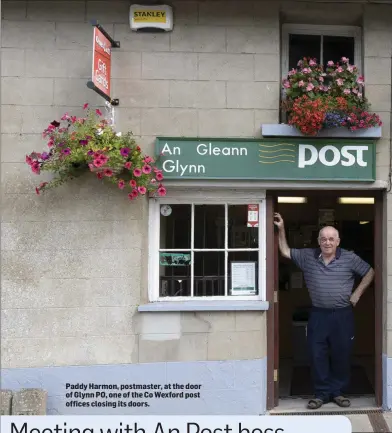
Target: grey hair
329,227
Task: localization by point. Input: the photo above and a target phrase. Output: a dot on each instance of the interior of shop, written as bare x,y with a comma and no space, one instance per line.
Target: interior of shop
304,216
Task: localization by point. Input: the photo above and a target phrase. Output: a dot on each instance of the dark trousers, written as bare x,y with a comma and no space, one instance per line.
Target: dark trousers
330,338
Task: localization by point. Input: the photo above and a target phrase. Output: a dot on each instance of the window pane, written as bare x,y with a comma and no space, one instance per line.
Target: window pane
246,265
241,236
209,273
301,46
175,226
175,273
209,226
336,47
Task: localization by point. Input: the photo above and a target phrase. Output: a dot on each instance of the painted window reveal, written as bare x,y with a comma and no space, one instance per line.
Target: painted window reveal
209,250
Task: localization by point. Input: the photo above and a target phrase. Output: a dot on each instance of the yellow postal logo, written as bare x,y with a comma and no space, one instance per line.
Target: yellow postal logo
150,16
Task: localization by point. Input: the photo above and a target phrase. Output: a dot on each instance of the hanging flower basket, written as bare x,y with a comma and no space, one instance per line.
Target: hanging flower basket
91,145
319,98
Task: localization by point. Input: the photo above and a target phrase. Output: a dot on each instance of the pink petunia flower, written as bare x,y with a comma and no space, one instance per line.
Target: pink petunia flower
132,195
301,83
345,60
339,82
330,63
98,111
98,162
66,151
133,183
360,80
312,63
107,172
85,106
142,190
340,69
287,84
159,177
103,158
346,91
292,72
148,159
146,169
128,165
137,172
309,87
161,191
121,184
35,168
100,175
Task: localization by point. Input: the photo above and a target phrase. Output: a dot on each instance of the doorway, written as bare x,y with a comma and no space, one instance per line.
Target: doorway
357,217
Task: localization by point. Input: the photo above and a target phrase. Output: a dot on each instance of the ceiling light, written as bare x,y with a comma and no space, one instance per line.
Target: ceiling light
293,200
356,200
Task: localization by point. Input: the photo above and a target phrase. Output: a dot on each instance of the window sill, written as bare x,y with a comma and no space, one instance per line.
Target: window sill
283,130
205,306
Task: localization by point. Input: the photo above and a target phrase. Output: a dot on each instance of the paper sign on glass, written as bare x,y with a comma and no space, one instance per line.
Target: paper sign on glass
253,215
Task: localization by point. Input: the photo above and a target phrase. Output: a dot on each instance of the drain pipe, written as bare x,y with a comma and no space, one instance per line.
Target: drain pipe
390,139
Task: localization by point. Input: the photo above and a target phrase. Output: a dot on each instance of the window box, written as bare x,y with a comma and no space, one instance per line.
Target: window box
283,130
322,91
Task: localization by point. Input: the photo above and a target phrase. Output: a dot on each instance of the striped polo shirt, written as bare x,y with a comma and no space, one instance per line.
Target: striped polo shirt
330,286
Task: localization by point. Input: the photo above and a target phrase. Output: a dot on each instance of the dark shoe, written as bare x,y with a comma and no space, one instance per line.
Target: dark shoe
315,403
342,401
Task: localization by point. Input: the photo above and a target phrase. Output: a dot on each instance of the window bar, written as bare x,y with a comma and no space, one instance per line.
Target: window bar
226,245
321,50
192,246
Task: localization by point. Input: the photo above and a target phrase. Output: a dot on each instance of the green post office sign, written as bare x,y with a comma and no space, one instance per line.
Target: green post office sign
266,159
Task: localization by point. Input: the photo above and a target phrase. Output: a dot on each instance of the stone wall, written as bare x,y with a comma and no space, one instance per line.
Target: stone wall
74,259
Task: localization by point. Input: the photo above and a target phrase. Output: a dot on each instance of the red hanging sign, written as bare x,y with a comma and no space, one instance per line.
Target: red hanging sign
253,215
102,56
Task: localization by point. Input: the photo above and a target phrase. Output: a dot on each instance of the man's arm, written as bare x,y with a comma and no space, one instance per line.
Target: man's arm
283,246
363,285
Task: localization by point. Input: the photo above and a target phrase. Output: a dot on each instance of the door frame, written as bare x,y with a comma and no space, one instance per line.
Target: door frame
272,289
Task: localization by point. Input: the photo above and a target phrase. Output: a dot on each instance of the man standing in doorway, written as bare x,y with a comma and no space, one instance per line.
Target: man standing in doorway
329,273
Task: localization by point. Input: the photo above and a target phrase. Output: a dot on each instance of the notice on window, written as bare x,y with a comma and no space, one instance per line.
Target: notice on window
243,278
253,215
174,259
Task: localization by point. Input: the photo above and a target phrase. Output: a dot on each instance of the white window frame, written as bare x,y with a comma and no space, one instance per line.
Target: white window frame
215,199
309,29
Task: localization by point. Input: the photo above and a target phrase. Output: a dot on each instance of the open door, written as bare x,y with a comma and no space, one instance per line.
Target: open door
272,286
378,294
